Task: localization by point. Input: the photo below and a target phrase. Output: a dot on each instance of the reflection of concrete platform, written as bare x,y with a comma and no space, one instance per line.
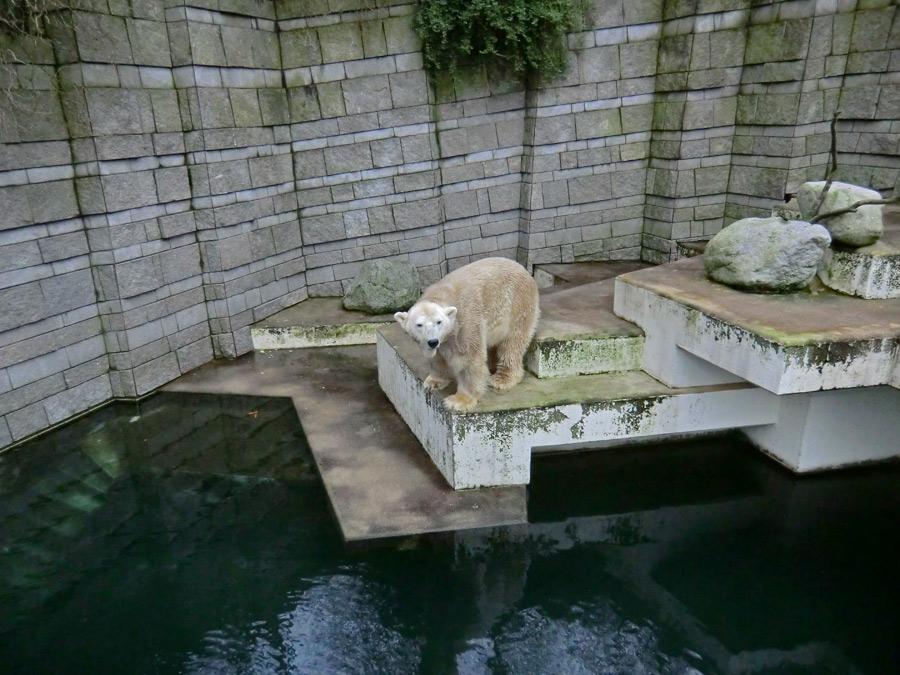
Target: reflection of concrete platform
316,322
492,444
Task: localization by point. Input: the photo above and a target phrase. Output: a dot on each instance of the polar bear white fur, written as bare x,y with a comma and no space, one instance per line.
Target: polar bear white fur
491,303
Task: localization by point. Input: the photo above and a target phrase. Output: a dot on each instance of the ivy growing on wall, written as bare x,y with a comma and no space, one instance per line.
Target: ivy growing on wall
527,35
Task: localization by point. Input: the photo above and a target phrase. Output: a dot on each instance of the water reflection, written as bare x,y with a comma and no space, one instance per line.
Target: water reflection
191,535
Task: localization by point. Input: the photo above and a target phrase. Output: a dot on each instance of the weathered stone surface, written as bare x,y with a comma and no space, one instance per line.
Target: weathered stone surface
860,228
382,286
768,255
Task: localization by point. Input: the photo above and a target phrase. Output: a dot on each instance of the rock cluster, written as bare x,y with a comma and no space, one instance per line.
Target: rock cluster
383,286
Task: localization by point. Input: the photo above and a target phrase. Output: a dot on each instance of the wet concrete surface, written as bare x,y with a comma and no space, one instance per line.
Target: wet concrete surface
379,479
582,311
789,319
587,272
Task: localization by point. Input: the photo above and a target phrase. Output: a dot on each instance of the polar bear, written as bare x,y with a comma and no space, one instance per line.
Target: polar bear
491,303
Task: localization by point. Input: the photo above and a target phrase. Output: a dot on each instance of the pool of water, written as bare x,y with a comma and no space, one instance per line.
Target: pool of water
191,534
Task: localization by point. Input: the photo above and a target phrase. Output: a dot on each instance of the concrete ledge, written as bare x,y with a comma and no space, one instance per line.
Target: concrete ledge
550,357
317,322
700,332
492,445
579,334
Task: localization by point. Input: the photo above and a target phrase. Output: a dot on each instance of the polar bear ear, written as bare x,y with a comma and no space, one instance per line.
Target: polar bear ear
450,312
401,316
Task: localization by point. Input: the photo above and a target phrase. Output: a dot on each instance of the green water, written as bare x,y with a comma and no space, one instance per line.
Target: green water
191,534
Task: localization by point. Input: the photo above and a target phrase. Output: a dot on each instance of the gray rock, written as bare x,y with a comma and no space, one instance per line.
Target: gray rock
767,255
382,286
860,228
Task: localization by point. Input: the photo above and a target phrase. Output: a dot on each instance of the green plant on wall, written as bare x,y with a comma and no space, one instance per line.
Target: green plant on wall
527,35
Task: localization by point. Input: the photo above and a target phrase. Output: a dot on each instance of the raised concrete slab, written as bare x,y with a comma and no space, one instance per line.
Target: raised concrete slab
868,272
578,333
797,342
379,481
574,274
492,444
316,322
826,354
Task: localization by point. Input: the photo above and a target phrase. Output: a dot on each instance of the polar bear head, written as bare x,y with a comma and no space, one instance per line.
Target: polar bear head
428,323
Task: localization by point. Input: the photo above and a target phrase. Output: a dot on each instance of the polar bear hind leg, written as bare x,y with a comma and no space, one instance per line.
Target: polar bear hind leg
511,351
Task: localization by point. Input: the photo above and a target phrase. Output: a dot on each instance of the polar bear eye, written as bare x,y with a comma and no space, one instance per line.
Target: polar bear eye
438,323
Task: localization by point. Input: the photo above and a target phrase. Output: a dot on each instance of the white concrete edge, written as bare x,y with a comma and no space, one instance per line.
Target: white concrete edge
301,337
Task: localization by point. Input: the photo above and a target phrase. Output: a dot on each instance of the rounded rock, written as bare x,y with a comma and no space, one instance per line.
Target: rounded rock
766,255
383,286
857,228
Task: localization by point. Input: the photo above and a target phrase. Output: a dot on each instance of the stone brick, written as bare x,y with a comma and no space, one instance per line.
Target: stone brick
557,129
14,207
318,229
597,124
273,106
400,35
156,373
52,201
344,158
638,59
149,42
271,170
599,64
102,38
63,246
367,94
172,184
420,213
408,89
17,256
138,276
114,111
341,42
589,189
504,197
128,190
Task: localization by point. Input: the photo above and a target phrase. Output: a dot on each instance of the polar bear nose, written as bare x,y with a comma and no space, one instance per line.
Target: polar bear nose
433,344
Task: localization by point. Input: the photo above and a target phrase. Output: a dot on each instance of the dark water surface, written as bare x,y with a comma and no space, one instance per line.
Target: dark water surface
191,534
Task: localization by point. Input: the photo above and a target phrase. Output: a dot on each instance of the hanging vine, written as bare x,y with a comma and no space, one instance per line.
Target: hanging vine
527,35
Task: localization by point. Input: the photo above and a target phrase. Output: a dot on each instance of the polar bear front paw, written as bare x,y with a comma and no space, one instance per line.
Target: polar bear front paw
432,382
460,402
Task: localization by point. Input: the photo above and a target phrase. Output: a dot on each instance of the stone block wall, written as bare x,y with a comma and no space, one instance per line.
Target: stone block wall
172,171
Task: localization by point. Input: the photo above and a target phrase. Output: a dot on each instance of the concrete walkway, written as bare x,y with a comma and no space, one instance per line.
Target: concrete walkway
380,482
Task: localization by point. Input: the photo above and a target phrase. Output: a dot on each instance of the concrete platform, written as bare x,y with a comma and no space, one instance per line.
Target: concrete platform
579,334
379,481
832,359
492,444
317,322
797,342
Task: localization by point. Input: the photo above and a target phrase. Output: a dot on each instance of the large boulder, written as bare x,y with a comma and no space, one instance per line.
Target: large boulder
859,228
766,255
383,286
